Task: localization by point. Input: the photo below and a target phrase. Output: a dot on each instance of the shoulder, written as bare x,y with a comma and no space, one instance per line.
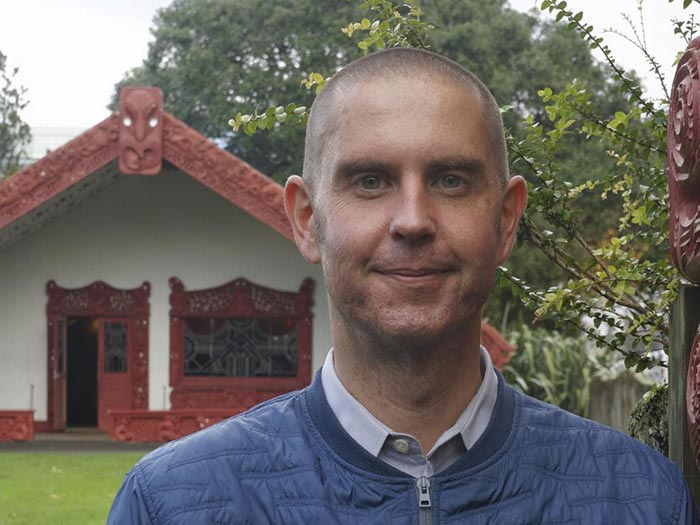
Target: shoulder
211,465
244,436
542,424
604,464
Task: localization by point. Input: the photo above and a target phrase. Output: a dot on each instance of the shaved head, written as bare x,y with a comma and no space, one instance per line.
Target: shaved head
397,62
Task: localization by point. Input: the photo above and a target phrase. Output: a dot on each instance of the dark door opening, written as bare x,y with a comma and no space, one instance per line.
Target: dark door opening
81,387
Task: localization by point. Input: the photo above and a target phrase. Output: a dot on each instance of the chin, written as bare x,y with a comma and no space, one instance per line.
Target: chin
417,328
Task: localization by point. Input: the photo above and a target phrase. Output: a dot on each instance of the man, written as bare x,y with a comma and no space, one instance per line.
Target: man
407,204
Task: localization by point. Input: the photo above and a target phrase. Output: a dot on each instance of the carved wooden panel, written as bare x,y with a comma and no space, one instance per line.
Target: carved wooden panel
101,300
684,190
237,299
60,169
140,130
16,425
150,426
684,164
692,397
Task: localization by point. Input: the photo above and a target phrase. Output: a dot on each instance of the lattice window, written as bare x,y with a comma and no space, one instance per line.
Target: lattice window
116,346
238,344
240,347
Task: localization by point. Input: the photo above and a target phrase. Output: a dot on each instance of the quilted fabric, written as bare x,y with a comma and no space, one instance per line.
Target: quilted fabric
290,461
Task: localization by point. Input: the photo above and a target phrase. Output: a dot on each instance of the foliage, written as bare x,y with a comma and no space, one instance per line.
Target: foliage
620,287
14,132
648,421
63,489
554,368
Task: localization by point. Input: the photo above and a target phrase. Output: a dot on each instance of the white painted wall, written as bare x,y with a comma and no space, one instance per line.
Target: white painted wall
139,229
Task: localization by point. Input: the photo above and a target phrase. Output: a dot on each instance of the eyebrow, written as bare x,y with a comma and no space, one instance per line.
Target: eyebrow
460,163
466,164
353,167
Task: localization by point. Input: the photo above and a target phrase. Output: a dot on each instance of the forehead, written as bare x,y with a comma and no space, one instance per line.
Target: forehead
403,116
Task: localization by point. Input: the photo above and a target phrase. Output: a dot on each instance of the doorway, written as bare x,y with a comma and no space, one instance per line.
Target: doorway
108,351
81,367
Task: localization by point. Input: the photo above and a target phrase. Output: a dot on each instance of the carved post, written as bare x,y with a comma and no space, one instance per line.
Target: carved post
684,191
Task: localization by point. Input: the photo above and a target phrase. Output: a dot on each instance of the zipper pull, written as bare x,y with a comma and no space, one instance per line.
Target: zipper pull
423,485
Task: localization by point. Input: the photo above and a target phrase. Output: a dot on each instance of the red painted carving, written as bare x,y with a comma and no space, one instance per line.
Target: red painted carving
16,425
151,426
140,130
60,169
226,174
101,300
237,396
684,163
498,348
684,191
217,169
692,397
238,298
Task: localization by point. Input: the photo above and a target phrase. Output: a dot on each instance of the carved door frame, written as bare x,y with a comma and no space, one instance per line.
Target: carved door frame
100,300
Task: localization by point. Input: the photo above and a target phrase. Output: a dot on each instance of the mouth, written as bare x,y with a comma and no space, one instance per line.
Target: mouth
414,275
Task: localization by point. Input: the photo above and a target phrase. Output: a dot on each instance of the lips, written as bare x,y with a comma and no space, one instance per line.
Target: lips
413,272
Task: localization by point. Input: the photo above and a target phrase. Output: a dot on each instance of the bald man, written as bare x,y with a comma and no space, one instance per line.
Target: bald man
407,204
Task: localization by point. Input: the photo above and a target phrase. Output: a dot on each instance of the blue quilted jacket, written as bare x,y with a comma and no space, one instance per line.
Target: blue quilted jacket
290,461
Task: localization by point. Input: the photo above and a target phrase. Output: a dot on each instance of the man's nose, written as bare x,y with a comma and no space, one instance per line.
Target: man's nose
412,217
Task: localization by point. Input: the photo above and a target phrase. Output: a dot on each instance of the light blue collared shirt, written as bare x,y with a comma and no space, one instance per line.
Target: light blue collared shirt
402,451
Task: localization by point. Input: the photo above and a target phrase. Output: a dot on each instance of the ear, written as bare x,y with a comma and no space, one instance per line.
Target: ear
297,202
512,207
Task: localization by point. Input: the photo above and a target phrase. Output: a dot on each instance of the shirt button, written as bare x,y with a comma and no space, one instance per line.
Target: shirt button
402,446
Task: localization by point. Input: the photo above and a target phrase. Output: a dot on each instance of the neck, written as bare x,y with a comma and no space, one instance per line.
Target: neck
414,388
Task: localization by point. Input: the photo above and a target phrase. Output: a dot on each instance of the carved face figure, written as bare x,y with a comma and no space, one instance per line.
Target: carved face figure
140,137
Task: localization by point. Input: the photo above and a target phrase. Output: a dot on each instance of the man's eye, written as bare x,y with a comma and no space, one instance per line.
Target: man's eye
371,182
450,181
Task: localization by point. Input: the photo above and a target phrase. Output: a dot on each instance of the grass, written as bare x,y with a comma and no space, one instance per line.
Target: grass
57,489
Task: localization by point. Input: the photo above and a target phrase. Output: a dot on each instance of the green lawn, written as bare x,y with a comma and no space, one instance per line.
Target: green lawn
57,489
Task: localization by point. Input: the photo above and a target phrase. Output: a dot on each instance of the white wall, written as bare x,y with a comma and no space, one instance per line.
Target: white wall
139,229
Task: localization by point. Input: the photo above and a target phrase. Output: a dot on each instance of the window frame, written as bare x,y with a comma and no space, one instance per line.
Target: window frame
237,299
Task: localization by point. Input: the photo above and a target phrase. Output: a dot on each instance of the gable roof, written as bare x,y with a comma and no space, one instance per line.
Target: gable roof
139,137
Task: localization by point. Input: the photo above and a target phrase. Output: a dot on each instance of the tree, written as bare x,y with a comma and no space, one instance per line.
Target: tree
14,132
213,58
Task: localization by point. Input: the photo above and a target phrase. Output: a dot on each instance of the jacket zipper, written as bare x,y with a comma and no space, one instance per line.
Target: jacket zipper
425,505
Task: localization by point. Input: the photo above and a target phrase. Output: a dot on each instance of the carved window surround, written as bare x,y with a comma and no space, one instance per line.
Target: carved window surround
237,299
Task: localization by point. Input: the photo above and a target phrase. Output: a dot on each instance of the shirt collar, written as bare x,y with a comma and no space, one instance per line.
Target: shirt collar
371,434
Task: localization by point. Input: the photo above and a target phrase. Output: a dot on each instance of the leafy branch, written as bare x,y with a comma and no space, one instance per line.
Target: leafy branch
394,25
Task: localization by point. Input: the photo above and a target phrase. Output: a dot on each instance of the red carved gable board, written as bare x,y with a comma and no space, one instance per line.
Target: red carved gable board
140,137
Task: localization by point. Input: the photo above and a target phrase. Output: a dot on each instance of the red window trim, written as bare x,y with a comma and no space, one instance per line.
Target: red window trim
239,298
